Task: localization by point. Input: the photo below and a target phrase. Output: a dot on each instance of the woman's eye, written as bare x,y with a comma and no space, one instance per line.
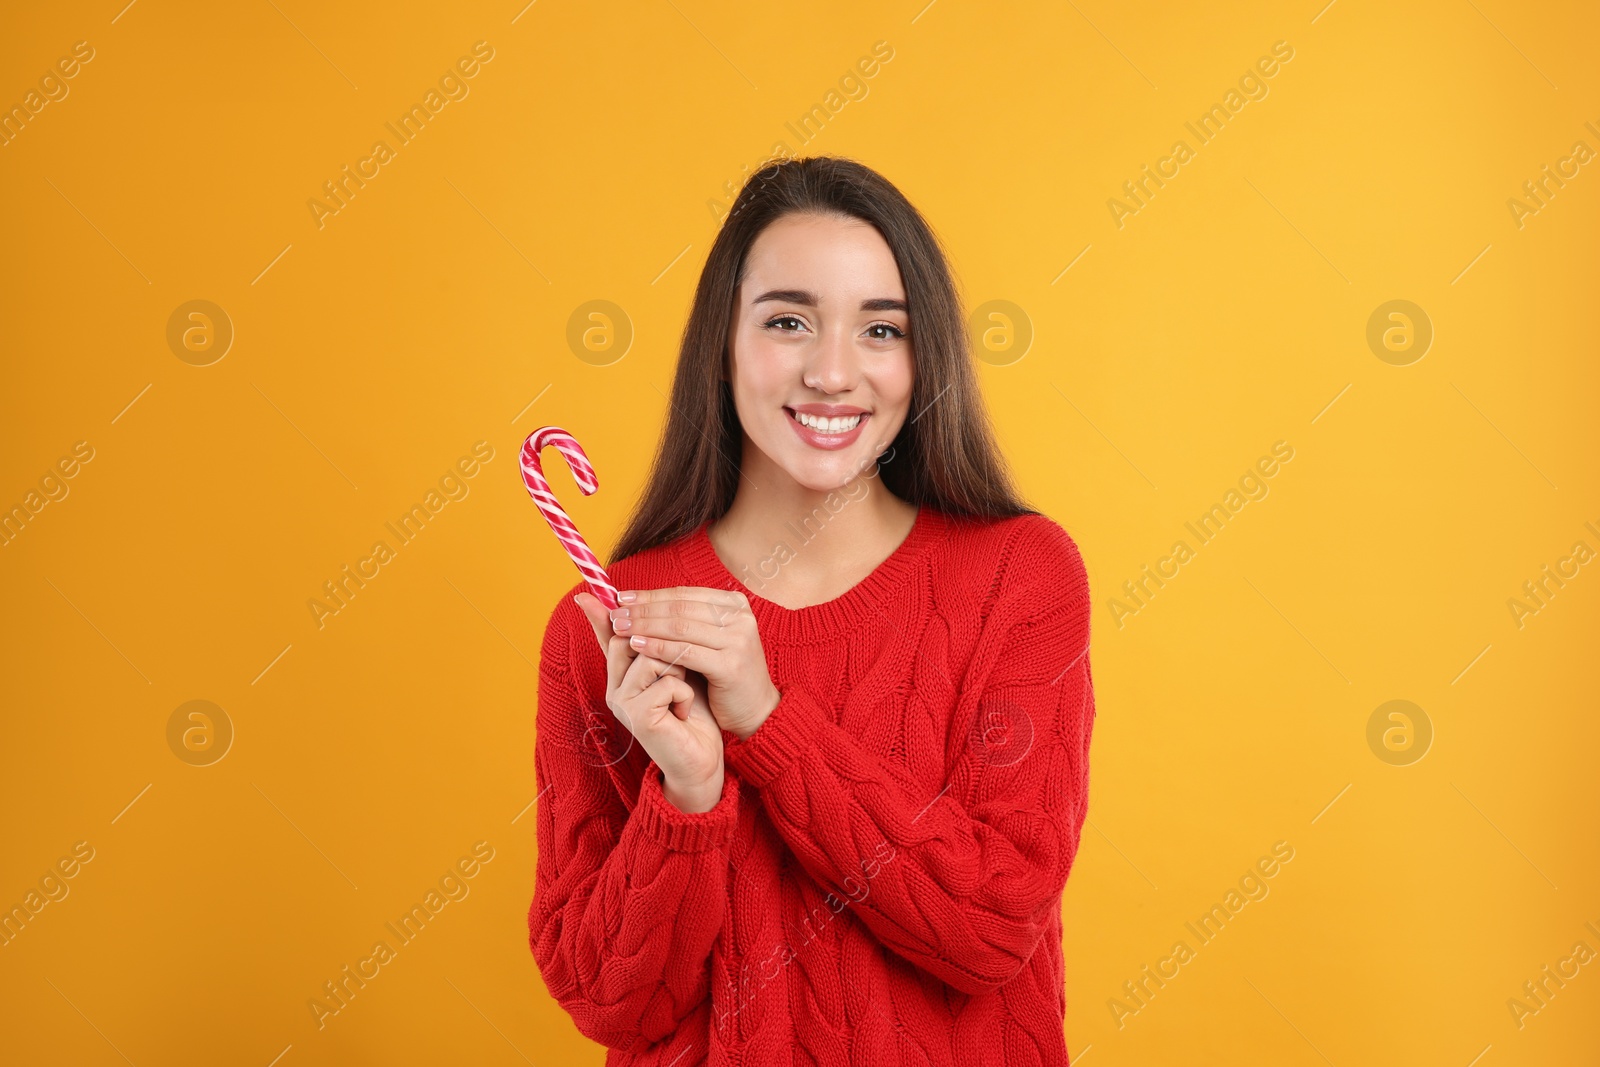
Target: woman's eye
878,331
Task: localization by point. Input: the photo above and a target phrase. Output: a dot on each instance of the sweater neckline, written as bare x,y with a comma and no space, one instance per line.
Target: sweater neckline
863,603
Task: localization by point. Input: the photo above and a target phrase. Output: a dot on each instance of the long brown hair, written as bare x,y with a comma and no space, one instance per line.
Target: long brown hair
945,455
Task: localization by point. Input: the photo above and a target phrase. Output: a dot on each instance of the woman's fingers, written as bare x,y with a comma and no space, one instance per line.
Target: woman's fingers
652,688
672,693
660,667
707,661
619,654
666,710
698,610
730,630
727,600
682,628
598,618
636,685
643,672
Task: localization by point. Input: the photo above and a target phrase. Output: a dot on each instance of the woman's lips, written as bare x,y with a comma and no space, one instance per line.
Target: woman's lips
828,442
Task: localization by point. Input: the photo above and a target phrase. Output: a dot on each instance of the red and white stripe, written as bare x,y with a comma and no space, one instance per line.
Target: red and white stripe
583,473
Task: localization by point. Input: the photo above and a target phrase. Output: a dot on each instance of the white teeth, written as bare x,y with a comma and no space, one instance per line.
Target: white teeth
835,425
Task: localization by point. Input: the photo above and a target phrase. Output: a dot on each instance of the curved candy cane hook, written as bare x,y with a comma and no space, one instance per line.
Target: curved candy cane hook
587,562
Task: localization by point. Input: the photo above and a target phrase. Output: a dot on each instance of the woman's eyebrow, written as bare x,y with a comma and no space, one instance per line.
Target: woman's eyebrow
806,298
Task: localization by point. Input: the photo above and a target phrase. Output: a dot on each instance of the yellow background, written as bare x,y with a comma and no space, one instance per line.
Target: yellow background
370,354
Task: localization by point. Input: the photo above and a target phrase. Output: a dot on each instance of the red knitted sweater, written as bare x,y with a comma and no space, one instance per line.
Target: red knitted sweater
881,880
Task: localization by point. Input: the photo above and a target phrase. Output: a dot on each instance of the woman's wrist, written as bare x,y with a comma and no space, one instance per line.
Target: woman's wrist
693,798
744,730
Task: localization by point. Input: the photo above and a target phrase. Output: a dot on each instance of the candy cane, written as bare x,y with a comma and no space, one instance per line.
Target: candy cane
582,473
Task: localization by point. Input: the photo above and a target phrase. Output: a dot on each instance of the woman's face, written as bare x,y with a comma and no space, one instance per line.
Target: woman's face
820,353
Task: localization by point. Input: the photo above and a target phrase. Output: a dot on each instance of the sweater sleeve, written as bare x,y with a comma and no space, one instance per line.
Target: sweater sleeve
962,882
626,905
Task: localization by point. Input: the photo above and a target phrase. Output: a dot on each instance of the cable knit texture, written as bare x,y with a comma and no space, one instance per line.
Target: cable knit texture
881,881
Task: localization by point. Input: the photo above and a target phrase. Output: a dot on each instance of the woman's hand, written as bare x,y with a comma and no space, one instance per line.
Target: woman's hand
667,712
711,631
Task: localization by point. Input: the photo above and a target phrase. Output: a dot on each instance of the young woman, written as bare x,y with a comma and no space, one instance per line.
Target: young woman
811,793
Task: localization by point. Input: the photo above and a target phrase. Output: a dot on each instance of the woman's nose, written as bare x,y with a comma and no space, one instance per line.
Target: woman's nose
832,367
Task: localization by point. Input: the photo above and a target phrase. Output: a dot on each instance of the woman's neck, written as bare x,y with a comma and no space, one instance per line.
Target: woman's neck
820,543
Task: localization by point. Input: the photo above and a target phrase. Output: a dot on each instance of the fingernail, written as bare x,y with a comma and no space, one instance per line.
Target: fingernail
636,641
627,598
621,624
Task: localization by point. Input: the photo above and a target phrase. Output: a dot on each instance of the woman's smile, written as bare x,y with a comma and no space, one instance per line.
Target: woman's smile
827,426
